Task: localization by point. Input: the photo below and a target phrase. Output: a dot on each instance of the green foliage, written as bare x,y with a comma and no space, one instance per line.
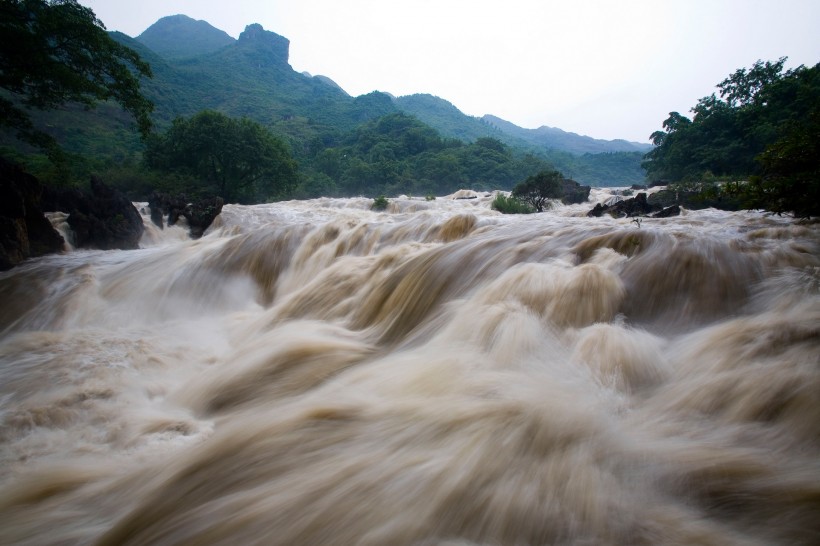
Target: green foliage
537,190
397,154
764,128
55,52
430,197
239,160
511,205
380,203
596,162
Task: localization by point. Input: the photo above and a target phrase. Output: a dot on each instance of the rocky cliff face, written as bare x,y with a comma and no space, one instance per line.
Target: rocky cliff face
24,231
274,47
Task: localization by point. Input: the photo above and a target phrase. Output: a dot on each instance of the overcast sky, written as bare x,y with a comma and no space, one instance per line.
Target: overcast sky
608,69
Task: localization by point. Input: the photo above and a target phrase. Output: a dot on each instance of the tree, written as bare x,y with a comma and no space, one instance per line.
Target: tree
55,52
237,159
764,128
538,189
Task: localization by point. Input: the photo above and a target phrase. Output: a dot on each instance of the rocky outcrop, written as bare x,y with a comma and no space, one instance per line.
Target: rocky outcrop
674,210
200,214
574,192
103,218
24,231
274,48
635,206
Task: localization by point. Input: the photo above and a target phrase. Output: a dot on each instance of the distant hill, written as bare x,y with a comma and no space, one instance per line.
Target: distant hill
452,122
444,117
179,37
593,161
551,137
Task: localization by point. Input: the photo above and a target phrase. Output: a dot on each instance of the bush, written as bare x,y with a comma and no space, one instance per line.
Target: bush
511,205
379,203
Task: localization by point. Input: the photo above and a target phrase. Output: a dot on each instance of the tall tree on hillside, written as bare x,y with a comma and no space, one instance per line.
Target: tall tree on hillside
55,52
237,159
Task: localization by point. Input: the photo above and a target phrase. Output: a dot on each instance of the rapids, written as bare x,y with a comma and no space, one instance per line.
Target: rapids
316,373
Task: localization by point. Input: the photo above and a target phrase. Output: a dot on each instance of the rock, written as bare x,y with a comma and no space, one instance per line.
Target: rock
24,231
674,210
199,214
103,218
635,206
639,187
574,192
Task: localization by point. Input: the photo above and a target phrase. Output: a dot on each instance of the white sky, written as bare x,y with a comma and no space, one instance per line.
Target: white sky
608,69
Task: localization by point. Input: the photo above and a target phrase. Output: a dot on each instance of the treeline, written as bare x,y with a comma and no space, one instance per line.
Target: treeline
398,154
760,132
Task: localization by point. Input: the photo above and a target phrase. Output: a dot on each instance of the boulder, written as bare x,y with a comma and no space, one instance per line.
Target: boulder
674,210
199,214
574,192
635,206
24,231
102,218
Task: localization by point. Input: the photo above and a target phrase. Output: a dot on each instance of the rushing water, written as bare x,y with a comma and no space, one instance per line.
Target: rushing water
317,373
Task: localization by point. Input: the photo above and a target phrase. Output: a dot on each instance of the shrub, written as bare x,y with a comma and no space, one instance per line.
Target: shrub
379,203
511,205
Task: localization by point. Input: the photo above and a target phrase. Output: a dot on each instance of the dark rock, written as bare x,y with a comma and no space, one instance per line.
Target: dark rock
24,231
639,187
674,210
635,206
103,218
574,192
199,214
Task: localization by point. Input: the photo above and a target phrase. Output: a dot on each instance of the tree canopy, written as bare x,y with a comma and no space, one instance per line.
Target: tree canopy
55,52
763,126
538,189
237,159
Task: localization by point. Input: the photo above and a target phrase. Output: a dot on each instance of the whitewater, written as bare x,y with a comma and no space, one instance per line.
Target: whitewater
318,373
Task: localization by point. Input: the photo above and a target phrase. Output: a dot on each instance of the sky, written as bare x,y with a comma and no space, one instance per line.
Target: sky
607,69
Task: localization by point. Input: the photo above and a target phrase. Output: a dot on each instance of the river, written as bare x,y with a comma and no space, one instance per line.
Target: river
438,373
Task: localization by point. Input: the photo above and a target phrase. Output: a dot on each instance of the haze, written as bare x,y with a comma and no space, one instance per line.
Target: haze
604,69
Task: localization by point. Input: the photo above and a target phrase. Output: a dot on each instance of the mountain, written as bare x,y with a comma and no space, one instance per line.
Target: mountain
444,117
551,137
198,67
179,36
593,161
452,122
251,77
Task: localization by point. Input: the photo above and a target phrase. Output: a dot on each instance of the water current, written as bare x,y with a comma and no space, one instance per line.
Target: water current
317,373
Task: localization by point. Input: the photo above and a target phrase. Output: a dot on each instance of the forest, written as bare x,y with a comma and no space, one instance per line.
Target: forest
756,142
